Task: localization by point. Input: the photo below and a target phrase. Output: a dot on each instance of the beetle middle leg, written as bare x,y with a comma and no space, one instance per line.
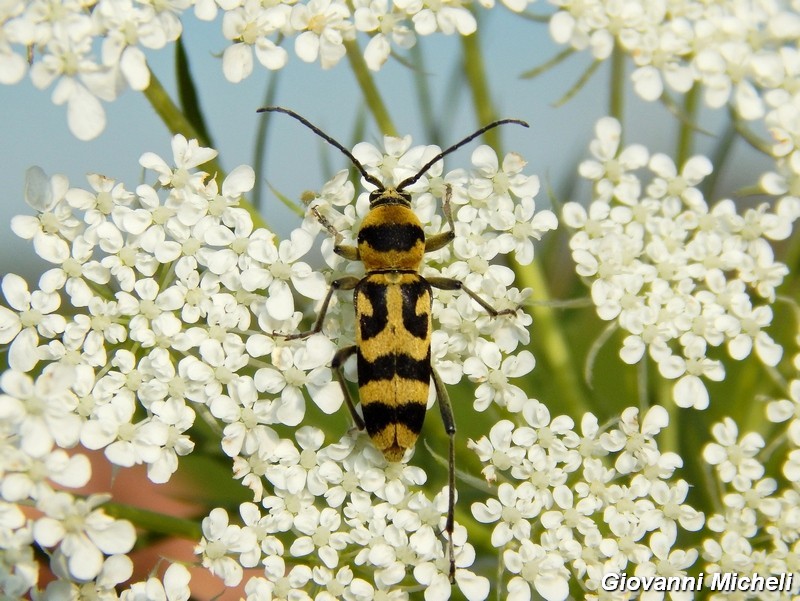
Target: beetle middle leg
345,283
451,284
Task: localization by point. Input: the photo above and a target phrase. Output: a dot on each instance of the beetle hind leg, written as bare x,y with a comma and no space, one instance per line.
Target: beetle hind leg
449,422
337,364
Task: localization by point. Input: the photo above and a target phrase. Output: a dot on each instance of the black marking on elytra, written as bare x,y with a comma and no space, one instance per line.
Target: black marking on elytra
389,365
415,324
378,415
375,294
392,236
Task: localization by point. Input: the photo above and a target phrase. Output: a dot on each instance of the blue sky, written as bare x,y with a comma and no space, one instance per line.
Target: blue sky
36,133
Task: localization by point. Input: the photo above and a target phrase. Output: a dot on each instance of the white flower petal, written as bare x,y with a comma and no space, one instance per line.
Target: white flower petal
237,62
690,391
85,560
85,114
37,190
280,302
647,83
240,180
134,66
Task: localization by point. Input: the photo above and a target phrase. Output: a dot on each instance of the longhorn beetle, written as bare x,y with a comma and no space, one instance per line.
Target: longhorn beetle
393,314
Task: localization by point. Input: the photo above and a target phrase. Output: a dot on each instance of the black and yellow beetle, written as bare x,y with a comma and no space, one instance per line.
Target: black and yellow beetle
393,314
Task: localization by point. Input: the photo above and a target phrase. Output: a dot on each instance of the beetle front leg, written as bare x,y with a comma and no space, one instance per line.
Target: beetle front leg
441,240
343,250
451,284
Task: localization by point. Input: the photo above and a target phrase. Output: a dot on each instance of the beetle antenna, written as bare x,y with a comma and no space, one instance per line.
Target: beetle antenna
413,179
370,178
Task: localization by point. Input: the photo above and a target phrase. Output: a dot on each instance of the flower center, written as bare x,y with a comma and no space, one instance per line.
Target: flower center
321,536
49,223
215,549
294,377
308,459
30,318
281,270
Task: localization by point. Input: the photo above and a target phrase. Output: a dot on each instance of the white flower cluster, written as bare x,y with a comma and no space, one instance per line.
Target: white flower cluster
89,51
743,53
373,527
93,50
38,419
170,291
757,528
677,275
735,49
577,505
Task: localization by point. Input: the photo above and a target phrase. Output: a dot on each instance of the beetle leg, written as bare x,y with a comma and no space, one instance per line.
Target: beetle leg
446,410
441,240
451,284
344,250
337,364
345,283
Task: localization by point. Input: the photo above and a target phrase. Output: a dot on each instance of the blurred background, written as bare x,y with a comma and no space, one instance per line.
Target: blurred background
35,131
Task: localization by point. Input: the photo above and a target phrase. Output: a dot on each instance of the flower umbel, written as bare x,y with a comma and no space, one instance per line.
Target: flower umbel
677,275
162,330
91,51
587,507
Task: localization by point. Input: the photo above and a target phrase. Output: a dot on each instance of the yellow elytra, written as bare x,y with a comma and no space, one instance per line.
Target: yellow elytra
393,325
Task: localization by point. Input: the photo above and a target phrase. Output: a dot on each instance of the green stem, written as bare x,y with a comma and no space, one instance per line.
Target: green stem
548,330
177,123
578,85
548,64
154,522
748,135
643,385
368,89
669,439
721,154
261,139
686,131
424,99
616,99
479,85
551,340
